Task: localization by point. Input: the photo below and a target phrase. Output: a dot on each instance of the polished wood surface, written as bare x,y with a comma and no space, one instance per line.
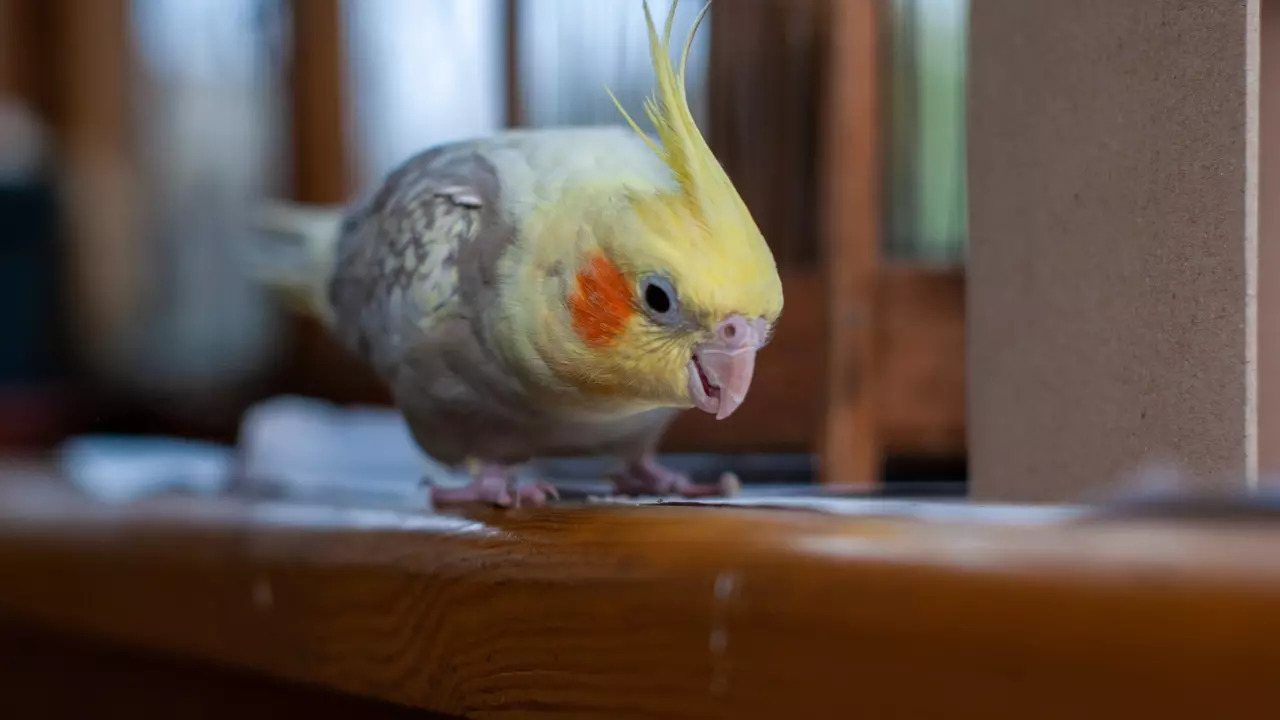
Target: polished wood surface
673,611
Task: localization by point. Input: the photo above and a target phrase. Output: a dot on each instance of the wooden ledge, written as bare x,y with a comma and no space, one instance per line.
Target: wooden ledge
671,611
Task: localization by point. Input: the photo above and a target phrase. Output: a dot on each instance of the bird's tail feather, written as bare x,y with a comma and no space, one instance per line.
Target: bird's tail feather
294,249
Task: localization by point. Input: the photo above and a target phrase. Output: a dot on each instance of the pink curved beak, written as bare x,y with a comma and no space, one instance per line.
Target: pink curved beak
721,369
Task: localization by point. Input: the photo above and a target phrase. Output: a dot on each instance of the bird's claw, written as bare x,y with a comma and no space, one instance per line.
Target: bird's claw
648,477
495,485
535,493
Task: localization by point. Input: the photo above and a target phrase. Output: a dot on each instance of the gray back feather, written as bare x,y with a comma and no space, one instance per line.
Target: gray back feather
405,257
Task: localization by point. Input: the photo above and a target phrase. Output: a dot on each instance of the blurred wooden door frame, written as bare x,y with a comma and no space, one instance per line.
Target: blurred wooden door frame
869,359
322,174
890,382
72,63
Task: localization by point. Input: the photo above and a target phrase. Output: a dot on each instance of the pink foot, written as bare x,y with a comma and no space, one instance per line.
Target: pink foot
494,485
647,477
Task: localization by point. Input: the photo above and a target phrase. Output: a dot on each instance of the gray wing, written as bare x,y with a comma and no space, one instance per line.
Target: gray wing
397,271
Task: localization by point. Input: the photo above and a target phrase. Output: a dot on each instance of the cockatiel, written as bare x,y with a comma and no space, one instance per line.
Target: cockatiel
553,291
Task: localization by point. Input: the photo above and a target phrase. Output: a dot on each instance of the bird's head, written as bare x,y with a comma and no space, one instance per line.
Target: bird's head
673,291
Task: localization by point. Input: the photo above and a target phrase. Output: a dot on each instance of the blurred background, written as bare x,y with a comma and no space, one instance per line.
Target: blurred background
136,135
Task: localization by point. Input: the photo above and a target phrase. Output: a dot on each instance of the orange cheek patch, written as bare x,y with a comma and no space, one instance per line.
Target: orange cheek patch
602,303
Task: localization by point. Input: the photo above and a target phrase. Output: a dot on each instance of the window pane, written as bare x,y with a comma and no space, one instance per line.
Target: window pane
571,49
210,120
927,217
422,72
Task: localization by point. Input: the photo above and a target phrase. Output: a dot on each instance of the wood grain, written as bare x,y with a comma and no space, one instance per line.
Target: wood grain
671,611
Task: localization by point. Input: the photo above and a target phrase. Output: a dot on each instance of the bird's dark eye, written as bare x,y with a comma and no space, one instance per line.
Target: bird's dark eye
659,298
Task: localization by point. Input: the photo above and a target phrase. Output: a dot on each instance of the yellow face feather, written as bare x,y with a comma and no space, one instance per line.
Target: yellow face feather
705,229
693,237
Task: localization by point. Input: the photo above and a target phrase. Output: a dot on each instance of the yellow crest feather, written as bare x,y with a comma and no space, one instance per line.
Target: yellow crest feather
682,147
704,214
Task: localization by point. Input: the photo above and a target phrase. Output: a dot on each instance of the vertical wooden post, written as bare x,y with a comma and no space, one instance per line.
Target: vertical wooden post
851,443
19,61
11,56
322,174
767,75
321,161
1113,247
511,50
90,77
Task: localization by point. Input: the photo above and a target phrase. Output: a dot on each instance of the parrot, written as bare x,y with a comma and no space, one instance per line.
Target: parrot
548,291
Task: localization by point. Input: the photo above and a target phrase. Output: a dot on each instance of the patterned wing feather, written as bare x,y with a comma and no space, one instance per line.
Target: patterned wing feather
397,270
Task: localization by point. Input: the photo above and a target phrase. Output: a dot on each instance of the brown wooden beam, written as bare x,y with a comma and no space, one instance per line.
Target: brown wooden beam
322,174
24,43
513,85
90,80
672,612
851,435
321,153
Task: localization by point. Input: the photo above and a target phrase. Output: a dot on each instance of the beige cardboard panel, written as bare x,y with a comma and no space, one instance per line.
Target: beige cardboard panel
1111,269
